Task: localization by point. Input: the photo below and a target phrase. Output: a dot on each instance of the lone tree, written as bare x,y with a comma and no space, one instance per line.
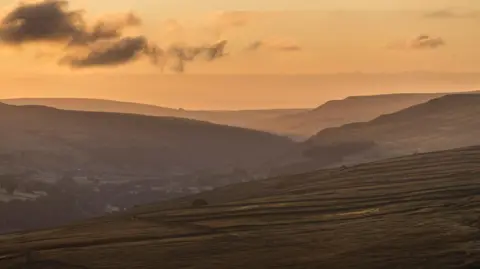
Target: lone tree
199,203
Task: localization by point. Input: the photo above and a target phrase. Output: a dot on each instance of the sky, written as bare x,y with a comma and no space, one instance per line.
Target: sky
304,44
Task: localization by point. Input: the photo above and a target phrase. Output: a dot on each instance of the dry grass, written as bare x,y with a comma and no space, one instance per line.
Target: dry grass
419,211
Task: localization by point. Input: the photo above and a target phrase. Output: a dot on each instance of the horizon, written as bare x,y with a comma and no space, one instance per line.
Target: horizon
231,110
373,38
237,91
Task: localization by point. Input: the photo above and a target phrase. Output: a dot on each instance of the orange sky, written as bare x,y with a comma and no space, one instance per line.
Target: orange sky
368,36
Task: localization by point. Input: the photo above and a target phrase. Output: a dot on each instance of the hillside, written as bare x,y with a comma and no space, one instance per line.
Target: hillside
95,105
83,164
103,141
296,123
252,119
336,113
418,211
443,123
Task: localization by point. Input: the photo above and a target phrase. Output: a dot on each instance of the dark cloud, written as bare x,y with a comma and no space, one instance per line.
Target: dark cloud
52,21
183,54
119,52
42,21
101,43
453,14
273,45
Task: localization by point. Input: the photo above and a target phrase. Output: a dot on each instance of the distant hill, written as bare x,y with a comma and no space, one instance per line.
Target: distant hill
50,139
417,211
252,119
296,123
95,105
447,122
336,113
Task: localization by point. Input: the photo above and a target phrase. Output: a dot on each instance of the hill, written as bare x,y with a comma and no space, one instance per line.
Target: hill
418,211
443,123
296,123
114,141
252,119
336,113
83,164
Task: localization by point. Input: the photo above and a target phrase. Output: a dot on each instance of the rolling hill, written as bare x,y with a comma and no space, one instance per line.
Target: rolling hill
57,166
336,113
50,139
417,211
299,124
252,119
443,123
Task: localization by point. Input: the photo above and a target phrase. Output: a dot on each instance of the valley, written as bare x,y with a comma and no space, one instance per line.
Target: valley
417,211
239,134
69,161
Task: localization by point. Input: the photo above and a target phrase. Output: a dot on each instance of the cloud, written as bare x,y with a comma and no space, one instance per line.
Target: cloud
453,14
421,42
52,21
99,44
108,28
42,21
116,53
183,54
103,42
280,45
426,42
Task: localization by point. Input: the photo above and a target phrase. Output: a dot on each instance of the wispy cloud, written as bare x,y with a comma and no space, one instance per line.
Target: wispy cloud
453,13
421,42
181,54
274,44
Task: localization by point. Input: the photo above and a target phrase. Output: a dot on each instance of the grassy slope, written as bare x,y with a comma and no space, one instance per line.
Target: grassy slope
339,112
253,119
60,139
298,123
443,123
417,211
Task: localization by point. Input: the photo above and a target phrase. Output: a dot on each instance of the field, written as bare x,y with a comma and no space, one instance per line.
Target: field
418,211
